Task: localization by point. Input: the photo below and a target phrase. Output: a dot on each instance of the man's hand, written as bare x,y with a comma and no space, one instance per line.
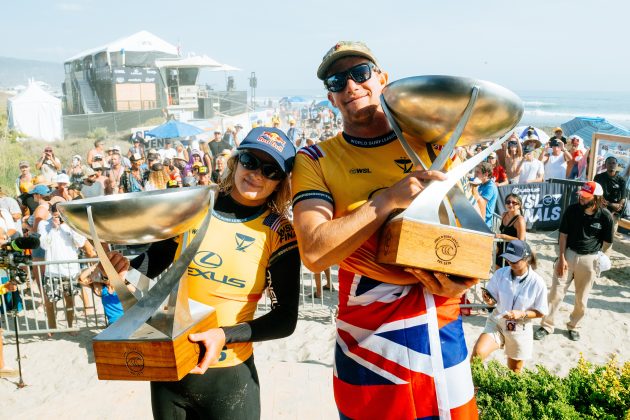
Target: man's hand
441,284
402,193
561,266
515,314
213,340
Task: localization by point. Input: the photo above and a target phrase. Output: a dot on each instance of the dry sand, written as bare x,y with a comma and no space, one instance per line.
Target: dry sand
296,373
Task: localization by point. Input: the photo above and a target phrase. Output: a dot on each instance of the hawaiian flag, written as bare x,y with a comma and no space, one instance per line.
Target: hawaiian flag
400,353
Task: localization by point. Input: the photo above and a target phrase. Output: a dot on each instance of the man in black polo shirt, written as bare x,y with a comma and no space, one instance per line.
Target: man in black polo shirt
585,229
614,186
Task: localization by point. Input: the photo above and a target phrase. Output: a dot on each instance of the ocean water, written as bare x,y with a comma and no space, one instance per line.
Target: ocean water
542,108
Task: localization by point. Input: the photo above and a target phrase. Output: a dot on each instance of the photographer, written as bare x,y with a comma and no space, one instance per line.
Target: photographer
48,164
61,243
5,371
519,294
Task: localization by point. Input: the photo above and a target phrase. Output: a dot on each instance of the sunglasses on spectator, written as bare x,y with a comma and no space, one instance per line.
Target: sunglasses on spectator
359,73
269,170
515,203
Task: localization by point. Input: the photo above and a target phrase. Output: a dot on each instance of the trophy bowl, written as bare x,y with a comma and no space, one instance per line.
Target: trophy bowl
429,108
141,217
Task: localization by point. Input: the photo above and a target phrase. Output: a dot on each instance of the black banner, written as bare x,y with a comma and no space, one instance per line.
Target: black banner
134,75
543,202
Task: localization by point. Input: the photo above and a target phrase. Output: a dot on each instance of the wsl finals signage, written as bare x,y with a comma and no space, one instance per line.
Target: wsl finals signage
543,202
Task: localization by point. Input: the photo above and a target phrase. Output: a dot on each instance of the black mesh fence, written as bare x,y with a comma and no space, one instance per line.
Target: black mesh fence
113,122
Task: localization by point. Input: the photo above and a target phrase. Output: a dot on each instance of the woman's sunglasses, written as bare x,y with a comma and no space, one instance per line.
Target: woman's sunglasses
514,203
269,170
359,73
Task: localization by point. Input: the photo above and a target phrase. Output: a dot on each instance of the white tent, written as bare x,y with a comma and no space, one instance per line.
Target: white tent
142,41
36,114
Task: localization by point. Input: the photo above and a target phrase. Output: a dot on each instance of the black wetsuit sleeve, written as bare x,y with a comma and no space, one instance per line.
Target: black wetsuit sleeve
156,259
283,283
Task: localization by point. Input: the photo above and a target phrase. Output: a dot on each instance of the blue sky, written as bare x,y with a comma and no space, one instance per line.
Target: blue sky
526,45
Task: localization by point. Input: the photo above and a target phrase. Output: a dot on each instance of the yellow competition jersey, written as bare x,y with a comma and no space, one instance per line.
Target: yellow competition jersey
347,171
229,269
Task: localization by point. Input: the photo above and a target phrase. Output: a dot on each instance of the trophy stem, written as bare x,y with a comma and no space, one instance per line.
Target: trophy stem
448,148
127,299
155,297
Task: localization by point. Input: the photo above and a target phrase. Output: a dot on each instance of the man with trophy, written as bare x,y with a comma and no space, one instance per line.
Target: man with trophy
344,189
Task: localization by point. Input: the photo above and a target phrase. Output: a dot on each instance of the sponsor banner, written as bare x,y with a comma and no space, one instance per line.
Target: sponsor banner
134,75
543,202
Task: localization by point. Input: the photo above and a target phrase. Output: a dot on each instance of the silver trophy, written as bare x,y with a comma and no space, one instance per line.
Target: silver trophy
441,230
150,341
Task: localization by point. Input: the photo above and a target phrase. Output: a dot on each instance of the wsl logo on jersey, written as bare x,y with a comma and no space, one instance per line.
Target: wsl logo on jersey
243,241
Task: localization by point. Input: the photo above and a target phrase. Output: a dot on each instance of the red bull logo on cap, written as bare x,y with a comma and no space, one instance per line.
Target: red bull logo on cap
273,140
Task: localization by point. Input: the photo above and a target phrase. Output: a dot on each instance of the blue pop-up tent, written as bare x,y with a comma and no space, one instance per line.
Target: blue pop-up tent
174,129
586,126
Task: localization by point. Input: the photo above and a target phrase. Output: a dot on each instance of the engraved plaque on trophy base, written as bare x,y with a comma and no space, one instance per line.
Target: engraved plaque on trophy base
150,355
436,247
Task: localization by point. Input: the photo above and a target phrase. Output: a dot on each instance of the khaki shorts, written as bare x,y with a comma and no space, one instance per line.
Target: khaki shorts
518,344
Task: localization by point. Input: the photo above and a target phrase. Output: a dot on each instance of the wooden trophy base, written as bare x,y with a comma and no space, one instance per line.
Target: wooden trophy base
436,247
150,355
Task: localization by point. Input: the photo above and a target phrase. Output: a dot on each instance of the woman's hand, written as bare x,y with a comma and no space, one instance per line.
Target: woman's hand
120,263
515,314
441,284
214,341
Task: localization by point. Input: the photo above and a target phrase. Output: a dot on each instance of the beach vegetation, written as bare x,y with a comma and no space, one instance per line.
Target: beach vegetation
588,391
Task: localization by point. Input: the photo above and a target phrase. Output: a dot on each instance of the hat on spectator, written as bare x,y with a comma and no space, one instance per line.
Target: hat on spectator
272,141
88,172
516,250
554,143
135,157
492,155
40,189
344,49
590,189
555,130
98,155
172,183
77,156
62,179
238,125
202,170
533,140
97,165
23,164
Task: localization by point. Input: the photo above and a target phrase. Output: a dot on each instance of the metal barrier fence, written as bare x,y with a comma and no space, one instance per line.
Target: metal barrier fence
52,301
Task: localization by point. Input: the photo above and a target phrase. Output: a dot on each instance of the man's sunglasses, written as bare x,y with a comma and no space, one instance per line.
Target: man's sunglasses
359,73
269,170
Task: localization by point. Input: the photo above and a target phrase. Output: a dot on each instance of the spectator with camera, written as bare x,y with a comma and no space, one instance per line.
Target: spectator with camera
48,165
555,159
519,295
99,150
61,243
485,191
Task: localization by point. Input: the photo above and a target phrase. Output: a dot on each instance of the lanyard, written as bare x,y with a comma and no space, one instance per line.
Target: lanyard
520,289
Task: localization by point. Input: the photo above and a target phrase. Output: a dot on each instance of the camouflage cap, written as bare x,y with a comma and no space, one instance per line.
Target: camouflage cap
344,49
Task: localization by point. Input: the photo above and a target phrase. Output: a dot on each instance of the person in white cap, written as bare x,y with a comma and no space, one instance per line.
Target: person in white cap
585,230
61,190
76,170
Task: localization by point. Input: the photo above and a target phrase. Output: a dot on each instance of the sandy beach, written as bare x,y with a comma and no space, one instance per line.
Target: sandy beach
296,372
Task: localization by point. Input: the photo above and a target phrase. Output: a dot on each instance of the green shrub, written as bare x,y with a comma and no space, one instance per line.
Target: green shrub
99,133
587,392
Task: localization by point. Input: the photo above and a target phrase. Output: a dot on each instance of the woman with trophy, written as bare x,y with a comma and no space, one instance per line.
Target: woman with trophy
250,247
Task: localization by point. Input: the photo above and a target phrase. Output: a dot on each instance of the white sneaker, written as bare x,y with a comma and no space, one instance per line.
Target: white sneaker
8,372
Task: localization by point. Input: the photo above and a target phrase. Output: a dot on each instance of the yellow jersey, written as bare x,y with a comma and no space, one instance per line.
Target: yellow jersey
346,172
229,270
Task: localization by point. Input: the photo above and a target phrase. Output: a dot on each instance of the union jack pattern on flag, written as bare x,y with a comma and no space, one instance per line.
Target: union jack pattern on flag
400,353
